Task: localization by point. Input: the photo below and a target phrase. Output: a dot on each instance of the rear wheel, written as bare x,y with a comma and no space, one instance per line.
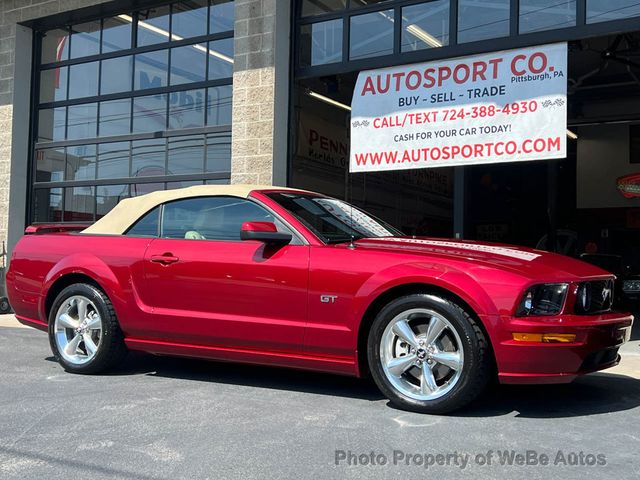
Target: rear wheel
427,354
83,330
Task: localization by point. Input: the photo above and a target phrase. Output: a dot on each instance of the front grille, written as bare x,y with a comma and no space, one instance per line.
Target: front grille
594,297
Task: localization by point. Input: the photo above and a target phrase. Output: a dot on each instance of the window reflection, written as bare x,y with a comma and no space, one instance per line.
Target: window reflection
538,15
47,205
218,152
83,80
116,34
219,105
220,56
55,46
150,113
183,184
50,165
188,64
365,3
115,117
81,162
108,196
85,39
116,74
148,157
186,155
221,16
186,109
321,43
79,204
189,19
51,124
113,160
151,70
371,35
153,26
144,188
316,7
82,121
478,20
53,84
425,26
606,10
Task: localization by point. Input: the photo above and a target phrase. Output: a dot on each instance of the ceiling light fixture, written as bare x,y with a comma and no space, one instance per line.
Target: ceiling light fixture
328,100
571,135
164,33
426,37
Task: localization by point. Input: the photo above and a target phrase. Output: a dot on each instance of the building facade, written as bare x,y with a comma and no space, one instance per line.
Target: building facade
104,100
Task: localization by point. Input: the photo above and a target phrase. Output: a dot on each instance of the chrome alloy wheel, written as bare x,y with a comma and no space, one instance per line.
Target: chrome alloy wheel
78,330
421,354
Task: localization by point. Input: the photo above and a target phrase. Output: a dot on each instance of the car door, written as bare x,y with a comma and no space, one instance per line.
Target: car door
208,287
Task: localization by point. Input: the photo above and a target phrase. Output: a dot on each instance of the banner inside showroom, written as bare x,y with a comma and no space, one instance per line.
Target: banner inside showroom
498,107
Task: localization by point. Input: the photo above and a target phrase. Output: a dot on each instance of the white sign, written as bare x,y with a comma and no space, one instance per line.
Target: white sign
499,107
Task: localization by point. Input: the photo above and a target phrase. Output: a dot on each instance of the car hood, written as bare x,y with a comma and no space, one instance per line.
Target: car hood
532,263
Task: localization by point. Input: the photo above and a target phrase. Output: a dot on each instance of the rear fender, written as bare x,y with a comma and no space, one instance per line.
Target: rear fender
91,266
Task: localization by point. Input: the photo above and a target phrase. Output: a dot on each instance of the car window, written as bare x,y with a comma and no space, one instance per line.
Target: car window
211,218
333,220
147,226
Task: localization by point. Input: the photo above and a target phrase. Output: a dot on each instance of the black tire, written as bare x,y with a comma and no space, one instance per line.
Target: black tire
4,305
111,348
477,357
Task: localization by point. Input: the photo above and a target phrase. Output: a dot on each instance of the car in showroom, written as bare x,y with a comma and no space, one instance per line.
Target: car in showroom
290,278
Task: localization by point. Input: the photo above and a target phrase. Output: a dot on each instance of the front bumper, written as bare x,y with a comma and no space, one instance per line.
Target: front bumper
598,338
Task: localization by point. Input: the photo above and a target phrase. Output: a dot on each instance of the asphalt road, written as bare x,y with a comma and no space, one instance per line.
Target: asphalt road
162,418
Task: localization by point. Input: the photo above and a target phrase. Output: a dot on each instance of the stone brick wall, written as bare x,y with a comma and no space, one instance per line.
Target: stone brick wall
253,92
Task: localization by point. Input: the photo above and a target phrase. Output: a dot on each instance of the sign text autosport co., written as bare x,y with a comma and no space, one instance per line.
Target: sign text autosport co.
498,107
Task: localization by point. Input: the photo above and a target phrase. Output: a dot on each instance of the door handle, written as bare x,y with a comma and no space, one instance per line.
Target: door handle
164,259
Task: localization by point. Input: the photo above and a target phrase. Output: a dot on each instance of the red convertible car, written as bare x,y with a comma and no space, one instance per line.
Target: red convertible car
276,276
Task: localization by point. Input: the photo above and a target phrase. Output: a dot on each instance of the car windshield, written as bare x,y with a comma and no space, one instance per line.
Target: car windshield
332,220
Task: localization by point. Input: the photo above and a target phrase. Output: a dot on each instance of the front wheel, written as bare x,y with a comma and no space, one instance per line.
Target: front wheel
83,330
426,354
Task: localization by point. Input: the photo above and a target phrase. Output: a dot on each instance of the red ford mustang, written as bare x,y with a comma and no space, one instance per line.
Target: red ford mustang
284,277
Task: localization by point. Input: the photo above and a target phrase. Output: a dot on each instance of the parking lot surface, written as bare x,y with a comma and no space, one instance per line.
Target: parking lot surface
166,418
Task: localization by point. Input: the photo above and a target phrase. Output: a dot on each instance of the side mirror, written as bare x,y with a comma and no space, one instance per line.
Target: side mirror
264,232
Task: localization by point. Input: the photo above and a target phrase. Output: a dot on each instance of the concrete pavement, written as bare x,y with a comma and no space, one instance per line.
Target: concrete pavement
166,418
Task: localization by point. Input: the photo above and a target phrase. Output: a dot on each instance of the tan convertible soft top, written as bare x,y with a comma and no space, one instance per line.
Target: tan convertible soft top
129,210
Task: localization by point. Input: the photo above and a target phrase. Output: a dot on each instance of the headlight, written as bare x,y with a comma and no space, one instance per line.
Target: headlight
545,299
629,286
